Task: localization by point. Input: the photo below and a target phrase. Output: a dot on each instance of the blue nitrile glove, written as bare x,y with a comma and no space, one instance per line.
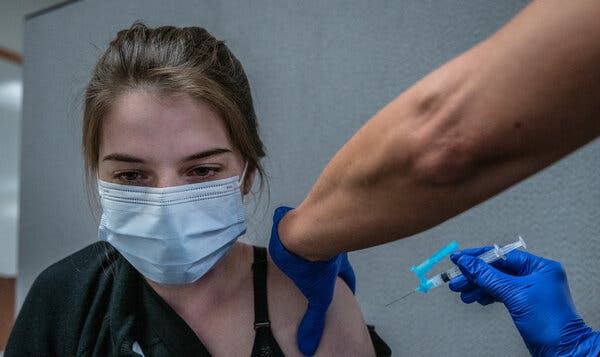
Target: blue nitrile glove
535,292
316,281
347,272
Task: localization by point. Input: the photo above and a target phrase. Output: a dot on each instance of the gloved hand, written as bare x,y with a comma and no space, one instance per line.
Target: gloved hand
316,281
536,294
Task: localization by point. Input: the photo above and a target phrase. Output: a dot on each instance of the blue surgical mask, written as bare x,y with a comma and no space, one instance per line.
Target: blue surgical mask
172,235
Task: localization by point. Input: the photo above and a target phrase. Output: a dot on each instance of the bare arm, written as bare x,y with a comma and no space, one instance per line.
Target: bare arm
345,331
512,105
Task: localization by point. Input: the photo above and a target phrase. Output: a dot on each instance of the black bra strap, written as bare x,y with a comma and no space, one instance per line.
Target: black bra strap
259,268
265,344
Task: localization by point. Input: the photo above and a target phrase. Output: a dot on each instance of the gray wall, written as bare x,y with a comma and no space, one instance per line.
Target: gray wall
10,120
318,72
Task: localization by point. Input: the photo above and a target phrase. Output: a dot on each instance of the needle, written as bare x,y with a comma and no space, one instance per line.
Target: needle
400,298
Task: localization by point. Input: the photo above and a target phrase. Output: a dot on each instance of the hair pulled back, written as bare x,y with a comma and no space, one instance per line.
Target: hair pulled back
172,60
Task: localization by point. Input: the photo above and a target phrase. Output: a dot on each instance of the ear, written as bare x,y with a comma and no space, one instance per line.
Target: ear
248,181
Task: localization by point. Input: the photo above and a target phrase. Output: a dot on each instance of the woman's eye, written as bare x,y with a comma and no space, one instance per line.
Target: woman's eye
203,171
128,176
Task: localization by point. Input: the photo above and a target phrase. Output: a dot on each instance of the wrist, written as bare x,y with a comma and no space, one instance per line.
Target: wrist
293,236
284,242
286,231
581,340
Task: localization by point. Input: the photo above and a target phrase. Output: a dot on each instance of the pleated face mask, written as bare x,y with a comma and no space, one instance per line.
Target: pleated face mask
172,235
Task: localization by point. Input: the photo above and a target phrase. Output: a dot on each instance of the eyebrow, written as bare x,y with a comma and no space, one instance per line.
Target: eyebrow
204,154
129,158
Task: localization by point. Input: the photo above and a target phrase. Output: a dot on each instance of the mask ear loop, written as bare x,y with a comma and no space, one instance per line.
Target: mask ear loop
243,176
241,180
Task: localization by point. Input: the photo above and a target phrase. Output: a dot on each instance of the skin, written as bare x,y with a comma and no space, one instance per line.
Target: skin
498,113
149,140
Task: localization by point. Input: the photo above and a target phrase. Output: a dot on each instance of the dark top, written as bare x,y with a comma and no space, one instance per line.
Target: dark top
94,303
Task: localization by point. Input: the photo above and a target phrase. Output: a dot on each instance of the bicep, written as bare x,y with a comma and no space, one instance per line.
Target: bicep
346,332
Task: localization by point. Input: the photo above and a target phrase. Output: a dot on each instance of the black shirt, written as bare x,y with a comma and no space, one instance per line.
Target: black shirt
94,303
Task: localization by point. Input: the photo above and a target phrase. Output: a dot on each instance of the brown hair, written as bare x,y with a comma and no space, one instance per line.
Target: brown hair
172,60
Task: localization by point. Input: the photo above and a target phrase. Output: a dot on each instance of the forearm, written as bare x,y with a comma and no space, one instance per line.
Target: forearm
505,109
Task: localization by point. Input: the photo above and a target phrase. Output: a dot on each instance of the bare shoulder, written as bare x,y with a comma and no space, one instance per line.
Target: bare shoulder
345,332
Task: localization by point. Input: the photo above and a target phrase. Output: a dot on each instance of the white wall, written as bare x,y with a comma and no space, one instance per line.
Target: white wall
12,13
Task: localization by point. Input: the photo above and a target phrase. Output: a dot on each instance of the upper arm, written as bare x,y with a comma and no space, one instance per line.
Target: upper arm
345,331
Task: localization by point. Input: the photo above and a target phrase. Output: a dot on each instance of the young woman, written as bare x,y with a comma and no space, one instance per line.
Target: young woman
170,137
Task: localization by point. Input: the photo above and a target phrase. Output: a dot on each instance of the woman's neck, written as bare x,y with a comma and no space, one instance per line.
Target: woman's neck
216,288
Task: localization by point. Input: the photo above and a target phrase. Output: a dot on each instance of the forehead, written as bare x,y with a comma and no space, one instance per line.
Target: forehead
152,125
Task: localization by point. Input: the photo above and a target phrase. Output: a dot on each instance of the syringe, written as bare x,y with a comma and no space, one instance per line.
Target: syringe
489,257
426,284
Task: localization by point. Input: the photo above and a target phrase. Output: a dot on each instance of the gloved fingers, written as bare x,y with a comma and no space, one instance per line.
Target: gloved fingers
316,281
311,329
470,292
483,275
278,252
461,284
470,268
347,272
474,295
486,299
516,263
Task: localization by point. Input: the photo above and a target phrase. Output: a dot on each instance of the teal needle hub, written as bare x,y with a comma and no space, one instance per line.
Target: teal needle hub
422,269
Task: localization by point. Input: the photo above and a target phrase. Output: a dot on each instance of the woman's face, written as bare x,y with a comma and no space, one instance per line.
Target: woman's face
161,141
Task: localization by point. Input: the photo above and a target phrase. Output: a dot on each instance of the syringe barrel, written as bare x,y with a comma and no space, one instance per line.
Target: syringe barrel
436,281
451,274
489,257
492,255
499,252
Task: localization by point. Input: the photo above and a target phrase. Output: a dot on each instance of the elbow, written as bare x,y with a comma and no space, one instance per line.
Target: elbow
443,163
444,149
447,134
